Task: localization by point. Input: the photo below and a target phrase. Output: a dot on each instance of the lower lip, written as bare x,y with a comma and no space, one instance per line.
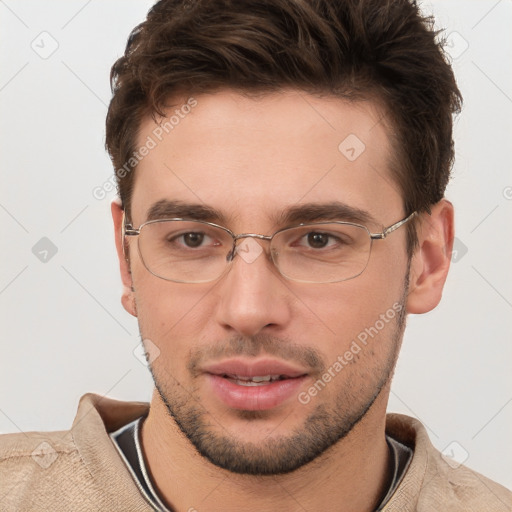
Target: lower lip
254,398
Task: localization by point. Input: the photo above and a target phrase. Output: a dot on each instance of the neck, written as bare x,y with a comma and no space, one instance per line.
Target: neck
351,476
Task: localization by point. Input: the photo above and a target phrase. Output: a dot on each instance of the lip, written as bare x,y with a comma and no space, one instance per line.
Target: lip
253,398
253,368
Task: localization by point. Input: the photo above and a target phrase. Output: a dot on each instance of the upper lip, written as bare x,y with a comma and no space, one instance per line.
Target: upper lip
253,368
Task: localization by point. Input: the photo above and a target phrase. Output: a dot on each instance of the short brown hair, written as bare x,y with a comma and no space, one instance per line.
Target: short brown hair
352,49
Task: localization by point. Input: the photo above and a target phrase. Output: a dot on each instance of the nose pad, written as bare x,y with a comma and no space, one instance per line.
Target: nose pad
249,249
274,255
230,256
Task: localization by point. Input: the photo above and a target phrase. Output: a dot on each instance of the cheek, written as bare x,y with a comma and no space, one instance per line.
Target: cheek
167,310
169,317
358,302
363,310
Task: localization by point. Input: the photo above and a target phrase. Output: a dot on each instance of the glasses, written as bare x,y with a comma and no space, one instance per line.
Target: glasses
192,251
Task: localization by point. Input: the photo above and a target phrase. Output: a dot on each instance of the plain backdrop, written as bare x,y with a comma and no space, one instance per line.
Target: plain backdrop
64,332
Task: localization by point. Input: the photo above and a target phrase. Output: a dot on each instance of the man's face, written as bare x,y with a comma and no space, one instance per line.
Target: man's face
251,160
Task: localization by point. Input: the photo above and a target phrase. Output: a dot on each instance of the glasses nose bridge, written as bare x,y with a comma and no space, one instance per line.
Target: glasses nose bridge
241,236
251,235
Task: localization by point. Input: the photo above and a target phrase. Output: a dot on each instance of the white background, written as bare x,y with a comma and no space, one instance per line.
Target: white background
64,332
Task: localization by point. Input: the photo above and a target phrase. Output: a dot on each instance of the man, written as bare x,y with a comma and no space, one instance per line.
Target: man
281,168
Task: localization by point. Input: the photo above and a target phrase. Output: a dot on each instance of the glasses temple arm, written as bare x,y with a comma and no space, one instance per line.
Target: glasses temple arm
393,227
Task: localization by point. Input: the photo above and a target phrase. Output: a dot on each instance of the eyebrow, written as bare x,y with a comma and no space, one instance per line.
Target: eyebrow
316,212
301,213
166,209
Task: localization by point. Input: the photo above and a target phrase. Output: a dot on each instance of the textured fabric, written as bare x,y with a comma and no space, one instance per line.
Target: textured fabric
81,469
433,485
77,470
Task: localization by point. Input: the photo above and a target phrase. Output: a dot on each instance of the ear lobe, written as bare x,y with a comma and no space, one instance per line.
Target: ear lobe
127,297
431,261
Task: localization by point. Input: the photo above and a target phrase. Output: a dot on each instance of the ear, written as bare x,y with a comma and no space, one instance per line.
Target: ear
431,261
127,297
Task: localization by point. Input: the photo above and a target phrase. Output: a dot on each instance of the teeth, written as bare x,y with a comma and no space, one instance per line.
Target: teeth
257,380
266,378
251,383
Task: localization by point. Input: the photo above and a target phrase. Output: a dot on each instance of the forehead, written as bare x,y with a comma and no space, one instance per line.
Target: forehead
250,158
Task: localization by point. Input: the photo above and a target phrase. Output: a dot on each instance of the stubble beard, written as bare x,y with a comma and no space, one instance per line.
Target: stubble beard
323,428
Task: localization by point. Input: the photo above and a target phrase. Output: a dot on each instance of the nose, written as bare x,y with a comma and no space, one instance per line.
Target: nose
252,295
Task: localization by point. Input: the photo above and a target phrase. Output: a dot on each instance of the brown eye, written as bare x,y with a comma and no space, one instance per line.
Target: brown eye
193,239
318,240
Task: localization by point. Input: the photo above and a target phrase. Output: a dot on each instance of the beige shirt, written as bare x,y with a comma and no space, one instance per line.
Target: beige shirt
81,469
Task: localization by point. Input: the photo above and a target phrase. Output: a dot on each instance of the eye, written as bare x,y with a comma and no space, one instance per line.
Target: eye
318,240
193,239
184,239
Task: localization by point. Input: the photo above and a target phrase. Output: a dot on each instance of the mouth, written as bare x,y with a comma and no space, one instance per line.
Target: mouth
257,380
254,384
